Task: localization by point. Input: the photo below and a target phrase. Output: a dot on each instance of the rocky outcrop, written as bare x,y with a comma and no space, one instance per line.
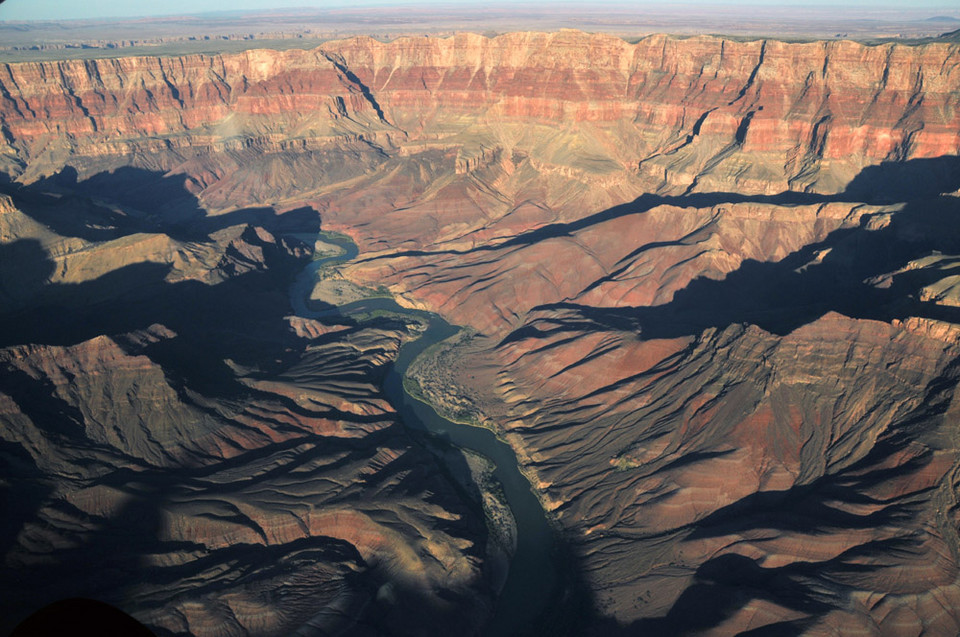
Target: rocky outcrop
713,284
177,446
736,479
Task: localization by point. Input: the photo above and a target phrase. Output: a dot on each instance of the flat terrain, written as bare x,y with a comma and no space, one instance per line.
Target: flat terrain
229,32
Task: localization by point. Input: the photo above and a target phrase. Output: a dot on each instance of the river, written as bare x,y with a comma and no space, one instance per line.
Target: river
532,583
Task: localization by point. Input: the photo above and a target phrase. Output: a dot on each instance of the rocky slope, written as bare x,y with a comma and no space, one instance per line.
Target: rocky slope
175,444
733,479
296,508
713,284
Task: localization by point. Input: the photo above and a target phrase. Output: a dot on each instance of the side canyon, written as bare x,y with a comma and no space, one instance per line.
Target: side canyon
710,296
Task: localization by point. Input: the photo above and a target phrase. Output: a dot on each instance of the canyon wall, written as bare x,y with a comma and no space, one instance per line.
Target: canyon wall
698,113
712,286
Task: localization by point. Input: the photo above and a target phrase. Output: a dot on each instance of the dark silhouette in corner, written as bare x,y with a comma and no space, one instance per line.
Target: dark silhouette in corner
79,616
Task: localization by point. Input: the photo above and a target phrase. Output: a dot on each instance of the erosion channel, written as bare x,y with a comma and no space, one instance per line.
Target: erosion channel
533,582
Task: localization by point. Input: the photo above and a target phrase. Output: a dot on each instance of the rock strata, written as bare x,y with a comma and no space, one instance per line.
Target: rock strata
712,285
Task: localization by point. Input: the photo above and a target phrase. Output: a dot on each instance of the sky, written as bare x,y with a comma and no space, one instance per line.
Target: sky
71,9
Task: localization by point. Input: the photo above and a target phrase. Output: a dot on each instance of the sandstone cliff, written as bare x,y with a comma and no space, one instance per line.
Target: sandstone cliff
700,113
713,281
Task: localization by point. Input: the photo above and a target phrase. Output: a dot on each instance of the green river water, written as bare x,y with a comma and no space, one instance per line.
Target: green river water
533,581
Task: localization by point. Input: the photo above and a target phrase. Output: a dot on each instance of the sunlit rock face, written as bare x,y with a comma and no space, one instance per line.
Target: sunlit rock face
713,286
704,114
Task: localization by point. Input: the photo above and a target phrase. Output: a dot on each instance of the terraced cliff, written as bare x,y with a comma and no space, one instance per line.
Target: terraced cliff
699,114
713,285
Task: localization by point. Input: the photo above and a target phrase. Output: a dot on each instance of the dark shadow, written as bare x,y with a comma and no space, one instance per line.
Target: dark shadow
20,500
837,274
70,215
571,611
79,616
149,199
725,584
129,200
237,319
780,629
24,269
850,272
895,181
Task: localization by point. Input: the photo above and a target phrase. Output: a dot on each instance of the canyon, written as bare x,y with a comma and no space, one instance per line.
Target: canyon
709,294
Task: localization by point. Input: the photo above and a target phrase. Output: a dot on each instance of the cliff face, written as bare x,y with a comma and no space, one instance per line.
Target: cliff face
700,113
713,284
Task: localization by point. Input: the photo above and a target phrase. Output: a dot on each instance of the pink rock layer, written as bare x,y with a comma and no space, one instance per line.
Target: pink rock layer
812,115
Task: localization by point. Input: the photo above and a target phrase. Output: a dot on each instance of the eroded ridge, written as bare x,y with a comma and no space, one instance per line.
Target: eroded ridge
713,288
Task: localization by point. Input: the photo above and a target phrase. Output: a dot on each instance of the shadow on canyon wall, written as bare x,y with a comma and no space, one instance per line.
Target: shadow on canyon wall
240,317
838,274
832,275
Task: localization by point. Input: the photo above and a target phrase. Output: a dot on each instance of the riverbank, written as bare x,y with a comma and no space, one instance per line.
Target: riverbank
485,466
430,379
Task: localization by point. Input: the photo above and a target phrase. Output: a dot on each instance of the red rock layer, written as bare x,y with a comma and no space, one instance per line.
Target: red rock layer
691,112
734,480
669,370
